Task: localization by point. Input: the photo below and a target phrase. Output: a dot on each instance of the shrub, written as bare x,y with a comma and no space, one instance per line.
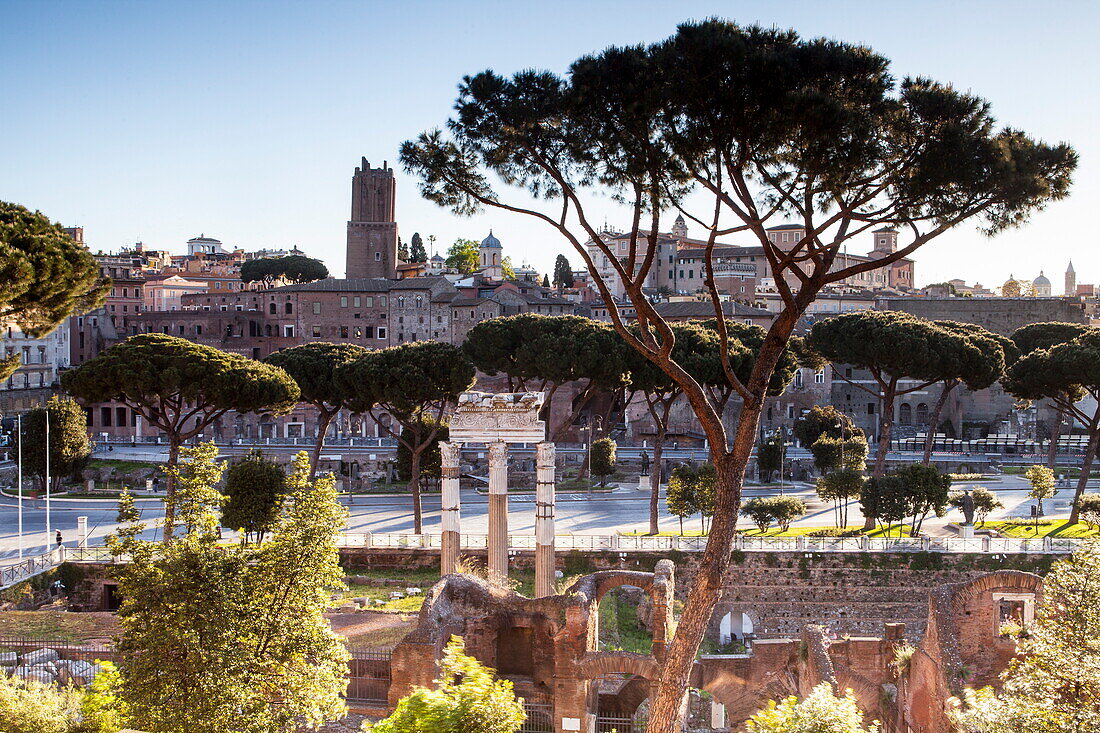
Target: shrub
766,509
1088,506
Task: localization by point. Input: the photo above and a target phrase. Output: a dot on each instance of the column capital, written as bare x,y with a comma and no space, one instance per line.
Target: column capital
498,453
544,453
450,453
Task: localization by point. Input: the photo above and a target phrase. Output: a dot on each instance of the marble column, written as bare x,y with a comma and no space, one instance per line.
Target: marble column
498,510
450,455
544,520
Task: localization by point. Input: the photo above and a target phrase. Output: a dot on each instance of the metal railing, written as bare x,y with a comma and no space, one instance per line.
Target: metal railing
650,543
20,570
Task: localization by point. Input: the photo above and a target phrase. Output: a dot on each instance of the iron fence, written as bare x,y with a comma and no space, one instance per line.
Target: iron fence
368,676
540,718
648,543
607,724
65,648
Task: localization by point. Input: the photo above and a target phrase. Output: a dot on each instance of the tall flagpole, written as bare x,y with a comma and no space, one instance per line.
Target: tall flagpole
48,537
19,473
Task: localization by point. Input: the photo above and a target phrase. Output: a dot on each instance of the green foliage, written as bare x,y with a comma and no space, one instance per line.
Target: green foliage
179,386
313,367
985,501
292,268
507,269
549,350
836,453
102,707
681,496
415,383
254,488
463,256
47,276
417,252
910,491
824,420
1088,506
230,637
840,487
763,510
820,712
771,454
466,699
1053,685
36,707
430,459
70,447
563,272
1043,485
603,459
1041,336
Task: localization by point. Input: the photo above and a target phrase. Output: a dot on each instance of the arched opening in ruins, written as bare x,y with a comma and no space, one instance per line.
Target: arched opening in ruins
734,626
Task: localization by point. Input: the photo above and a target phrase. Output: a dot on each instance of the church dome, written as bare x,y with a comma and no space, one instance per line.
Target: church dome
437,258
491,241
1041,280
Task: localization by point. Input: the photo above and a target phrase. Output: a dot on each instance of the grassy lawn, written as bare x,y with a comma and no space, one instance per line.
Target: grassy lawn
1025,529
1069,472
796,531
58,625
522,581
122,466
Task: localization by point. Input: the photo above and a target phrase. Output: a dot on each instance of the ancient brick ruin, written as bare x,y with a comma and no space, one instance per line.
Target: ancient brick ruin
549,648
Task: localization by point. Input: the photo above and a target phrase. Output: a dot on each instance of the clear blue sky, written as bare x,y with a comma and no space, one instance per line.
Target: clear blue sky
244,120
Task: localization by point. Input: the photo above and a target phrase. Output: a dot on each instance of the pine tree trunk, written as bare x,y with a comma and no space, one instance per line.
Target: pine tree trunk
934,420
1055,434
1086,469
886,426
323,421
170,487
707,583
414,487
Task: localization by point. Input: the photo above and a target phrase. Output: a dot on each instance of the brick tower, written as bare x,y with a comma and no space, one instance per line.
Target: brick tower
372,230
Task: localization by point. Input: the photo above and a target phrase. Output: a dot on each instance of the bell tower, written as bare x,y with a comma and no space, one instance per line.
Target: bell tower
372,229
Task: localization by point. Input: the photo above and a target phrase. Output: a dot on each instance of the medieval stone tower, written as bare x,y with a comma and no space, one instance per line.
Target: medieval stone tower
1071,280
372,230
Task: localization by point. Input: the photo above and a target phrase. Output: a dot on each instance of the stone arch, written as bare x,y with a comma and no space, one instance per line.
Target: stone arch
921,414
905,414
603,664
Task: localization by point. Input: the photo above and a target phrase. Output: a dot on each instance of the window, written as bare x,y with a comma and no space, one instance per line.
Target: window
790,411
381,332
905,414
120,416
317,308
419,301
181,330
316,332
369,301
343,301
198,330
368,331
819,376
377,256
357,301
288,331
870,408
271,308
797,378
105,417
358,332
382,300
289,308
343,332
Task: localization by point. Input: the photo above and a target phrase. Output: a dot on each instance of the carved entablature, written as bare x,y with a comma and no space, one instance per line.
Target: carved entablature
483,417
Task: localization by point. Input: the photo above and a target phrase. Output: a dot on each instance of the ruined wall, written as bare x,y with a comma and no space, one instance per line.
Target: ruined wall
853,593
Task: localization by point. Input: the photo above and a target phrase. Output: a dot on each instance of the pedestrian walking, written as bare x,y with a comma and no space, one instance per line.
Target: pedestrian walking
59,538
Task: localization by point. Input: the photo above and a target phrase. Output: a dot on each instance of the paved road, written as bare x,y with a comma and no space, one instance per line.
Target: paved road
622,510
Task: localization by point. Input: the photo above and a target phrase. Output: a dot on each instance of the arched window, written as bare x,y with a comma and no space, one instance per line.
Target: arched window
289,307
419,301
267,329
922,414
272,309
905,414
